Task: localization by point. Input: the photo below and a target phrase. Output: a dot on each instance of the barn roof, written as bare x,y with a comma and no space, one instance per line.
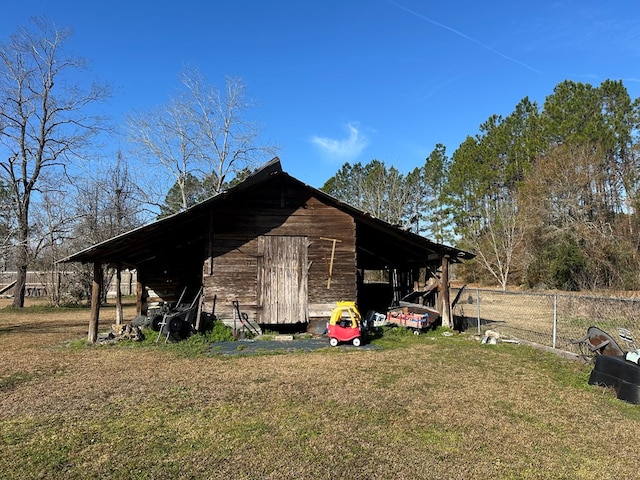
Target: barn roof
378,241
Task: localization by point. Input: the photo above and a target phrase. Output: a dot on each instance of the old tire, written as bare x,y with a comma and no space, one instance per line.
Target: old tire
333,342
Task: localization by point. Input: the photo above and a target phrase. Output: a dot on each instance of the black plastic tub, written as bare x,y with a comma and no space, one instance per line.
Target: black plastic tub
614,371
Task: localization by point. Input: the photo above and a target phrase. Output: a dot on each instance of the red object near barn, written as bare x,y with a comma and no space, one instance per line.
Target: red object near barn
345,324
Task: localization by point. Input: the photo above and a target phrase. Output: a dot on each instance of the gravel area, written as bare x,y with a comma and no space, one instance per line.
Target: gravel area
252,347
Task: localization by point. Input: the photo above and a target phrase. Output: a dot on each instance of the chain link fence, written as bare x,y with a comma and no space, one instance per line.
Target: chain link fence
552,320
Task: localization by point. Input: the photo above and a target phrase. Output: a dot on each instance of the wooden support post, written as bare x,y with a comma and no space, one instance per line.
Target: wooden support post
446,303
141,296
119,311
415,275
96,293
130,283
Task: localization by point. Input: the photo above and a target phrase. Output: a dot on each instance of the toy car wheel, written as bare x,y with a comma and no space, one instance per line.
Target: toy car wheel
356,342
416,332
333,341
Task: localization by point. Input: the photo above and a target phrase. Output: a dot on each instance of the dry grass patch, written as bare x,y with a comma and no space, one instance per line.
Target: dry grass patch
434,407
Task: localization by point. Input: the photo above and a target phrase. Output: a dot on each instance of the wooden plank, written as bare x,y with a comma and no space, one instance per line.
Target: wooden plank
8,287
333,254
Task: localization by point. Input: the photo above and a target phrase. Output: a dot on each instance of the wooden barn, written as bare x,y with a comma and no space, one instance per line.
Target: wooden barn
284,251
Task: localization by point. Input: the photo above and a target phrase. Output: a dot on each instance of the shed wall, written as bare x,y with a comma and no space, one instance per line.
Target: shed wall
231,269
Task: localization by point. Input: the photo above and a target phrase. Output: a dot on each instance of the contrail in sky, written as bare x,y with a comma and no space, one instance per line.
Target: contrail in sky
467,37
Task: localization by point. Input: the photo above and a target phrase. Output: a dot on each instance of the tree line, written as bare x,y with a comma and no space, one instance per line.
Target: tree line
546,196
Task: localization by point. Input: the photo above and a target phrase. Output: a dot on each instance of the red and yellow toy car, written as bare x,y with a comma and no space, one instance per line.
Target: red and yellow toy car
345,324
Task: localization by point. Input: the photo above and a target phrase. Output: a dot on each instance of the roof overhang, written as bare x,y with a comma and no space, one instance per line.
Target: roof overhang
182,231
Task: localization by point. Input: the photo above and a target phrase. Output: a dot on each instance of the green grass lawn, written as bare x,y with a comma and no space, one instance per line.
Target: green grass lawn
427,406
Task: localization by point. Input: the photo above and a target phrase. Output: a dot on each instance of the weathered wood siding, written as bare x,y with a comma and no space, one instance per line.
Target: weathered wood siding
232,270
282,279
233,277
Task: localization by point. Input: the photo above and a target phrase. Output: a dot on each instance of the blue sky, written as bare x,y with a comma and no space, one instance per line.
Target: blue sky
352,80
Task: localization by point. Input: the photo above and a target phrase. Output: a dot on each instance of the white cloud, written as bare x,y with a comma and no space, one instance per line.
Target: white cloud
345,149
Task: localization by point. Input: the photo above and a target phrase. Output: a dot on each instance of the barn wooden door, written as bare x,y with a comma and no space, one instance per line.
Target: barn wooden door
282,279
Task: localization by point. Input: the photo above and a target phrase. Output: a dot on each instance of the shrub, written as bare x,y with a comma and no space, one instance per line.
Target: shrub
219,333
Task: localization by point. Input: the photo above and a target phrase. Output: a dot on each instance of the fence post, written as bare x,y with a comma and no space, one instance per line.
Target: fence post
555,320
478,304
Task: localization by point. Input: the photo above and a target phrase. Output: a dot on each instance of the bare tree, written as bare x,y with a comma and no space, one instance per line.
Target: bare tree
44,124
200,133
568,227
227,140
164,136
497,242
52,225
108,204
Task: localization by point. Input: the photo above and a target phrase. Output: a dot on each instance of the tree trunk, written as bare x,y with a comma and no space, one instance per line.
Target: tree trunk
95,302
119,312
22,264
20,287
